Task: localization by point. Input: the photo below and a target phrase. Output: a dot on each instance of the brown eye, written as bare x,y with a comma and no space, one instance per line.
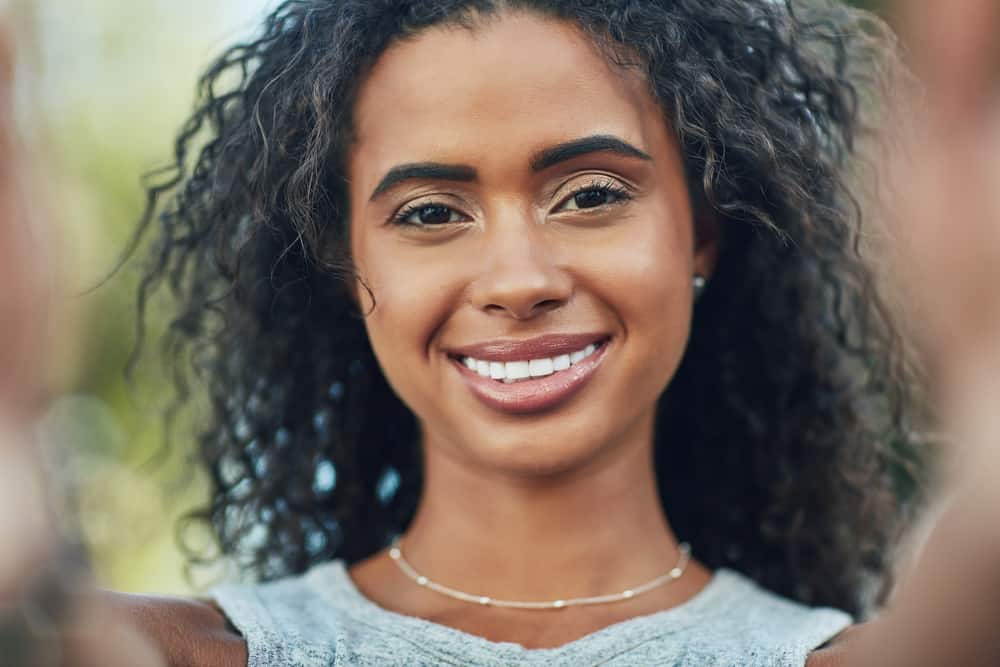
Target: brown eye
433,215
591,198
596,196
427,215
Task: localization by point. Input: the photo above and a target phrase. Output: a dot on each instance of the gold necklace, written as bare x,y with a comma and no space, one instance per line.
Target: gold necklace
396,553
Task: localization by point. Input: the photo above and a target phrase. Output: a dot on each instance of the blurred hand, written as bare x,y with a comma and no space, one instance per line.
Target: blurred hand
21,499
69,625
944,219
945,207
22,278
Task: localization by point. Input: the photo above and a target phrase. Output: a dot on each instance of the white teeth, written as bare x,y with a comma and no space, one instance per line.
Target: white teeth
513,371
516,370
540,367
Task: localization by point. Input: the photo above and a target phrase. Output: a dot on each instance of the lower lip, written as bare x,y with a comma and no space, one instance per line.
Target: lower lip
537,394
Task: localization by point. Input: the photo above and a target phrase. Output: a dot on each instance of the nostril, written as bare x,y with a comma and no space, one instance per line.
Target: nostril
548,304
535,309
523,298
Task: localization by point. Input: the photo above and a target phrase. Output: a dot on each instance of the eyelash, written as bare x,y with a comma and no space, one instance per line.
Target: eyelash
621,193
609,186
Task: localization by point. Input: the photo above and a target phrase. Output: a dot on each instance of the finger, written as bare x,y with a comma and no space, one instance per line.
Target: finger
955,52
22,295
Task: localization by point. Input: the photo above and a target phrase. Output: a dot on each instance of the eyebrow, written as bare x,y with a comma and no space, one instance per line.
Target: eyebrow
423,171
549,157
602,143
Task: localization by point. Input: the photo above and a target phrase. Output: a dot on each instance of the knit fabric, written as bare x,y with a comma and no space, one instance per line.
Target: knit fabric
321,619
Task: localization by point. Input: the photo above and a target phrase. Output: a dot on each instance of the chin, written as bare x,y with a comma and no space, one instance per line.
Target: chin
537,451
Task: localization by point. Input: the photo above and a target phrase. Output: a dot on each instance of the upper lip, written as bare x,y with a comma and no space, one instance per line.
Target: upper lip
539,347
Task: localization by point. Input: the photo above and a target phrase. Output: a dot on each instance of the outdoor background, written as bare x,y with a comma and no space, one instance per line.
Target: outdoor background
103,86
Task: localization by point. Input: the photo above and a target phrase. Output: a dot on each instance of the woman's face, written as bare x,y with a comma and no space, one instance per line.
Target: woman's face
519,208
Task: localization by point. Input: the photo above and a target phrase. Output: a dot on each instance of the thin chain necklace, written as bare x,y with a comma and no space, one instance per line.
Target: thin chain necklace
396,553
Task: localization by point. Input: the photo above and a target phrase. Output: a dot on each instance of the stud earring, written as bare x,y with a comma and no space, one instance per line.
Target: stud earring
699,285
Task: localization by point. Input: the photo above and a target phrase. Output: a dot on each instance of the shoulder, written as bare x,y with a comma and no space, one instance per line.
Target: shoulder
187,631
746,603
837,652
746,618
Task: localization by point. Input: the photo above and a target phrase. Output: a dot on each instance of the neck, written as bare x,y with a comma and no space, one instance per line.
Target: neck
595,530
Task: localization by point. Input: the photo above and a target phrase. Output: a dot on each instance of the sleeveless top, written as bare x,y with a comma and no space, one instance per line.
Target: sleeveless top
321,619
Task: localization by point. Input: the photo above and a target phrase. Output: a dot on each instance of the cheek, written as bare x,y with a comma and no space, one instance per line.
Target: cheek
657,284
646,272
646,278
412,300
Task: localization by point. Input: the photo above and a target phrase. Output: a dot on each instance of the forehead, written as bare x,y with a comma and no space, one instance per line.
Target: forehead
512,84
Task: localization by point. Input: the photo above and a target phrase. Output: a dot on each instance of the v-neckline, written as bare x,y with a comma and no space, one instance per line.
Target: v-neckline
439,639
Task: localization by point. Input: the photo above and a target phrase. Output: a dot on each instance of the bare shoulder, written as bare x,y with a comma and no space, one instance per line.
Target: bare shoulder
187,631
837,651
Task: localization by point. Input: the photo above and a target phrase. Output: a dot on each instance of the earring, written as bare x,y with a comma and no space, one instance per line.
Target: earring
699,285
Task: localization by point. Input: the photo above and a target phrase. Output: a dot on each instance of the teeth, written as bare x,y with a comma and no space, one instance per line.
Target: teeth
541,367
516,370
513,371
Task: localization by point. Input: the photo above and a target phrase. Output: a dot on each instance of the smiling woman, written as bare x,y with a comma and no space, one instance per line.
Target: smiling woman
511,269
498,301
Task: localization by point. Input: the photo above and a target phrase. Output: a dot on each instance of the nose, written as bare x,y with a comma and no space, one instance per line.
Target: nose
519,277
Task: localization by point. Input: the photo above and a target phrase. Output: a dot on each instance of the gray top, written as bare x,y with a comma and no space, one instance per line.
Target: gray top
321,619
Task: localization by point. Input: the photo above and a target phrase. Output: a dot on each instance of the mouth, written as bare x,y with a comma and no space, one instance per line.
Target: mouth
499,378
525,370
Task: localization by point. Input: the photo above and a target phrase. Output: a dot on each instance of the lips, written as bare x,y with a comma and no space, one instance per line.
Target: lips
549,345
529,394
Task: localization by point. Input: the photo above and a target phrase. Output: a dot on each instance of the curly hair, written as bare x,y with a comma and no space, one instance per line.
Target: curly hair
784,440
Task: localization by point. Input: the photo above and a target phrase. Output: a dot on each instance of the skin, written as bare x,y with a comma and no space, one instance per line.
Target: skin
543,494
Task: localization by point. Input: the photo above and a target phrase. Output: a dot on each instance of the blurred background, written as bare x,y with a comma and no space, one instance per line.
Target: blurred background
102,87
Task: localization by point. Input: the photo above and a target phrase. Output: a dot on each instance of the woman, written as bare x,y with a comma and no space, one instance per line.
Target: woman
542,321
441,291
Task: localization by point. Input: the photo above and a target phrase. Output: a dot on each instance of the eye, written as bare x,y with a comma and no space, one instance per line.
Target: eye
426,215
595,195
